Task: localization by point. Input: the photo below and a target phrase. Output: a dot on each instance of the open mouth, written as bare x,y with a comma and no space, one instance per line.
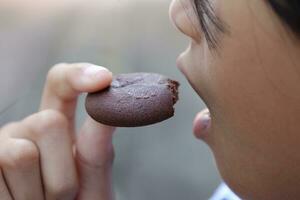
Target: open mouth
202,121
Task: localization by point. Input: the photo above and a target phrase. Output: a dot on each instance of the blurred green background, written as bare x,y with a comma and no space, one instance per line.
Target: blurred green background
160,162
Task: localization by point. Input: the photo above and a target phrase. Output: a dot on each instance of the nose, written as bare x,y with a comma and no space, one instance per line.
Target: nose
182,14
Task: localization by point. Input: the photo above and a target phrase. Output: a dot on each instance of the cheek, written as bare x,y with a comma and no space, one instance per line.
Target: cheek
251,121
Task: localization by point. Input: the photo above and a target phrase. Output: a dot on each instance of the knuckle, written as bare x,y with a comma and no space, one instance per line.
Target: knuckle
8,128
13,129
64,191
22,153
58,80
53,119
49,119
54,71
46,121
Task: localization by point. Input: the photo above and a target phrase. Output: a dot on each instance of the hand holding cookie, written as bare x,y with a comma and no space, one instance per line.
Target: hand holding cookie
37,159
41,157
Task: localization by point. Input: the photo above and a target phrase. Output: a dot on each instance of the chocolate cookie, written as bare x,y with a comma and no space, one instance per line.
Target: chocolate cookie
132,100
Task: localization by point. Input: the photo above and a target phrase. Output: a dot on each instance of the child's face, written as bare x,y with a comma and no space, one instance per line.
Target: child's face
251,85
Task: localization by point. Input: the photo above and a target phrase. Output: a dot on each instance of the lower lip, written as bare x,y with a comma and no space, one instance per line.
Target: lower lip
202,124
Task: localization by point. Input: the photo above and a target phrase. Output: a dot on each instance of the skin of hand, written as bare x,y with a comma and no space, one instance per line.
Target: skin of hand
41,157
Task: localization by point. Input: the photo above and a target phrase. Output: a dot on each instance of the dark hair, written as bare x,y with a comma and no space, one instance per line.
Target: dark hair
289,12
211,25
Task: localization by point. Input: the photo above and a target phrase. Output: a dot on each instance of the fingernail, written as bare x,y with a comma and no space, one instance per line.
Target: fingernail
94,70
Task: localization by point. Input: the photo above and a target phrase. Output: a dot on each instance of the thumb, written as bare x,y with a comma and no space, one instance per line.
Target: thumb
94,157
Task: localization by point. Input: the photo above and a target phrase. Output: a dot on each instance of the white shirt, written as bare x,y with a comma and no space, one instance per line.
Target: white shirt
224,193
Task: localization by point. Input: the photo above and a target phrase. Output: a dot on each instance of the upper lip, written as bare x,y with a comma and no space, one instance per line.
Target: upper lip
179,62
183,68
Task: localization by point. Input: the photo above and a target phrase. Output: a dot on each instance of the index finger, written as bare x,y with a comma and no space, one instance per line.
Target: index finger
66,81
